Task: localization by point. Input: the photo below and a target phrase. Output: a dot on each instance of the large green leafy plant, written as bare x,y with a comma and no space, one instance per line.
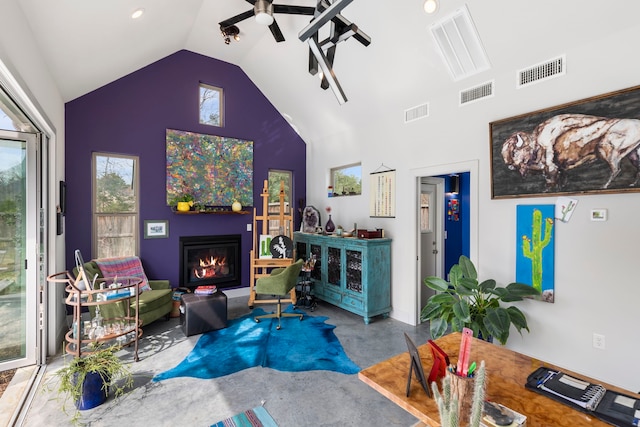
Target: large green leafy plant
465,302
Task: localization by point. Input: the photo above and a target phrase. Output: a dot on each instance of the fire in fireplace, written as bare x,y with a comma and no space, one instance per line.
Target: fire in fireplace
210,260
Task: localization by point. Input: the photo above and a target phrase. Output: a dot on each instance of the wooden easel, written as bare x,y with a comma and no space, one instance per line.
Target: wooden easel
261,267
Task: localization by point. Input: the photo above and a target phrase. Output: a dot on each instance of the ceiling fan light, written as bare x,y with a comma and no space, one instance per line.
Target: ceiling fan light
263,11
431,6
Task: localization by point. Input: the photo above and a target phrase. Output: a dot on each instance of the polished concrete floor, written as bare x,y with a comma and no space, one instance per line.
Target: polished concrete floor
312,398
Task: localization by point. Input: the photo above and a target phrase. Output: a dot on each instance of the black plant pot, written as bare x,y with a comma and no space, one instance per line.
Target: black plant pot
489,339
94,392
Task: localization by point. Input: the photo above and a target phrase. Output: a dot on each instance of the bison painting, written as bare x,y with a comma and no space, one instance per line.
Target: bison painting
567,141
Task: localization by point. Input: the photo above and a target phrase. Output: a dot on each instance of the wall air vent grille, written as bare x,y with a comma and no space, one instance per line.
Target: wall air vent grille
543,71
485,90
416,113
459,44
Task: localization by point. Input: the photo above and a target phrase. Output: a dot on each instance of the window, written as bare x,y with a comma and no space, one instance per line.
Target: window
347,180
275,178
425,218
115,205
211,105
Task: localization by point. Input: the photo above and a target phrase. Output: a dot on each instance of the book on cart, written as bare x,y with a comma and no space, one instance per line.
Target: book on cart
205,290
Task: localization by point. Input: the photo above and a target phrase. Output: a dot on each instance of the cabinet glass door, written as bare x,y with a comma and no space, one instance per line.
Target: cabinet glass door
316,251
354,271
334,263
301,251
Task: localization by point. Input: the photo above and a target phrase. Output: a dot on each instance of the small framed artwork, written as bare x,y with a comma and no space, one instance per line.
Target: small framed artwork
265,246
598,214
156,229
382,203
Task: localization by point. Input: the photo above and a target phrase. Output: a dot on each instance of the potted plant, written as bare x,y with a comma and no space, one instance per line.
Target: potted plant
464,302
183,202
87,380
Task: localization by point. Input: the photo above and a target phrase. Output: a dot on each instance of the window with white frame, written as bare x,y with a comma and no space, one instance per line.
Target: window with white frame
276,178
347,180
115,205
211,111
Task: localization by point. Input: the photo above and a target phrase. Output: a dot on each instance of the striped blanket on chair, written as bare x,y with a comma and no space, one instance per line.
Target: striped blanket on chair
124,266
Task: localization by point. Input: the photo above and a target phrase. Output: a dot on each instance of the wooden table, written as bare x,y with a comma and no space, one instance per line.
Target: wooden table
507,373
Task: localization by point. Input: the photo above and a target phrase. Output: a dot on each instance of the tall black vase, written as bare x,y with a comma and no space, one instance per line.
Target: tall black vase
330,227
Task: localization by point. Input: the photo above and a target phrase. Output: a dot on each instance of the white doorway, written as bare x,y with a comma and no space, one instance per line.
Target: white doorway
431,234
19,224
427,181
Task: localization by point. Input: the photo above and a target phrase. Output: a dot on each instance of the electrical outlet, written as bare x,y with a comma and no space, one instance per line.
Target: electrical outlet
248,227
598,341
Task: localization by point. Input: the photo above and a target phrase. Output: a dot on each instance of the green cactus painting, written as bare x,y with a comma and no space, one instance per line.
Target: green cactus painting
535,252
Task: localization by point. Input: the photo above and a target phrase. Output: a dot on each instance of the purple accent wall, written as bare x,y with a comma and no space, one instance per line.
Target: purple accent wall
130,116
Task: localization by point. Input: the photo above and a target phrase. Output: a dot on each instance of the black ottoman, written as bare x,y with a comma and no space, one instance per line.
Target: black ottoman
203,313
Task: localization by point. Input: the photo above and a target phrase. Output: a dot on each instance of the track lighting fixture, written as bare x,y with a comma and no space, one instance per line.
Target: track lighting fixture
229,32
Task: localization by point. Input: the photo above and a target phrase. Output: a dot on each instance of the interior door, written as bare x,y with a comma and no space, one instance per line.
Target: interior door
18,249
431,231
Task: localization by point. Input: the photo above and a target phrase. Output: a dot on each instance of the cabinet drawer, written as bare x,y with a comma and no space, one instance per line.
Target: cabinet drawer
331,295
353,302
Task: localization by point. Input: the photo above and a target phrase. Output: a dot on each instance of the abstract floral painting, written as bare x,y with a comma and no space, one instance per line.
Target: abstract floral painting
215,170
535,252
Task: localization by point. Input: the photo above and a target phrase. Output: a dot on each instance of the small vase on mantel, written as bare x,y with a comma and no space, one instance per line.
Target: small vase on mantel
330,227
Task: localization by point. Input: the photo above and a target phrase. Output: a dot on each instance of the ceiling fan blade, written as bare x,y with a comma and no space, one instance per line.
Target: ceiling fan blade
234,20
293,10
275,30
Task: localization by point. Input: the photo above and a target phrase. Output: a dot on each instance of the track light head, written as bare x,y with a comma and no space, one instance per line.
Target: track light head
229,32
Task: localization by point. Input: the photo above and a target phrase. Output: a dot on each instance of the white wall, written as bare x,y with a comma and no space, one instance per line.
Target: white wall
20,55
596,288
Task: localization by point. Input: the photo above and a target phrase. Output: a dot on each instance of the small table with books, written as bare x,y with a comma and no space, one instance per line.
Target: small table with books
203,311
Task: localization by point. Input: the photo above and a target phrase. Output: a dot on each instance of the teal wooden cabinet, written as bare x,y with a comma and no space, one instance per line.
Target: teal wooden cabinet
354,274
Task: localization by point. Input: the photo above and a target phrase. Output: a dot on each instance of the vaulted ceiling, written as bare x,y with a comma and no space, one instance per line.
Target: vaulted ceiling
88,44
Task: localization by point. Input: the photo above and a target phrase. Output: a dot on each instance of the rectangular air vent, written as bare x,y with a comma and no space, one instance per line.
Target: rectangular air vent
543,71
485,90
459,44
416,113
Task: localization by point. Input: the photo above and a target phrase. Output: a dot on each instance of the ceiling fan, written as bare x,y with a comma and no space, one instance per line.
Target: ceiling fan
263,11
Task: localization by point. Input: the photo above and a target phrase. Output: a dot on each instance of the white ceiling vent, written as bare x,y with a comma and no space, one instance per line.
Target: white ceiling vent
459,44
543,71
485,90
416,113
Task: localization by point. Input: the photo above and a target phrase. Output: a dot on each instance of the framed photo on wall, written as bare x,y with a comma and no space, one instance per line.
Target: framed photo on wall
587,146
156,229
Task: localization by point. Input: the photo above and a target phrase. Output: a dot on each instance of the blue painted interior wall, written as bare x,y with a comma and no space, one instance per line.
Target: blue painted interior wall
457,241
130,116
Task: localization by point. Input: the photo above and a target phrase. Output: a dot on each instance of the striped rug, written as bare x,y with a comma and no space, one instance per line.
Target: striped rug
256,417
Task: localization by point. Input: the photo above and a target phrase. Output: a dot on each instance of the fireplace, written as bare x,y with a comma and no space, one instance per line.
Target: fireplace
210,260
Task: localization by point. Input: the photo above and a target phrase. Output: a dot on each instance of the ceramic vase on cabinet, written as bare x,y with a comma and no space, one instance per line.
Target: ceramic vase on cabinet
330,227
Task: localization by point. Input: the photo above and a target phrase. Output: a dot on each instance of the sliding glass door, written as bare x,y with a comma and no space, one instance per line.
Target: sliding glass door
18,249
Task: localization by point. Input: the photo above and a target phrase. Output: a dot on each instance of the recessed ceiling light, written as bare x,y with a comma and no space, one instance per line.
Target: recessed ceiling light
137,13
430,6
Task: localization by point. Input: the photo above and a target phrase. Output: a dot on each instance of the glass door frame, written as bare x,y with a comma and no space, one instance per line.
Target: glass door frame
31,263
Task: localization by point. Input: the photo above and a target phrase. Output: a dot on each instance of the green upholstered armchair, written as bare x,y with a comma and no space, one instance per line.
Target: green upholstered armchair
153,304
279,283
